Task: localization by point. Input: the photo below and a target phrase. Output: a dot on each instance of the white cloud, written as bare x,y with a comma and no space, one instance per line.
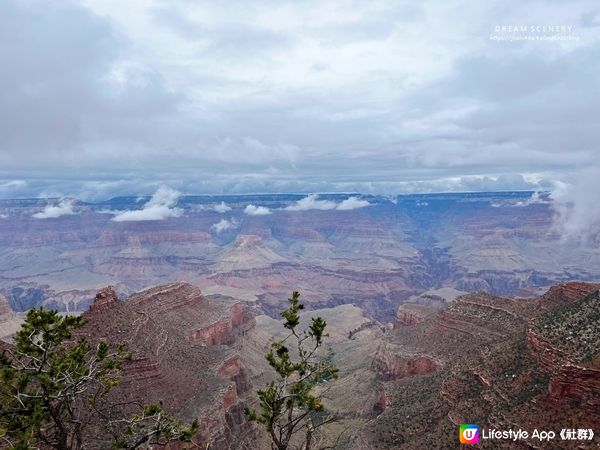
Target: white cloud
311,202
253,210
352,203
576,205
161,206
536,198
224,225
222,207
64,208
382,94
13,184
3,216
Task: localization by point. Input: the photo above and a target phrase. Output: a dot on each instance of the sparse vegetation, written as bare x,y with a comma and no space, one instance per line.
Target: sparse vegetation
52,387
290,409
574,328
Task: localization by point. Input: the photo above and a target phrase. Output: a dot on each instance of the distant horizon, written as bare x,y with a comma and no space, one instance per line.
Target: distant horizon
250,194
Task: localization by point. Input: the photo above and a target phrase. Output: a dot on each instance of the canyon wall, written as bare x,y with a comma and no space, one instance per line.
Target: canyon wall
161,329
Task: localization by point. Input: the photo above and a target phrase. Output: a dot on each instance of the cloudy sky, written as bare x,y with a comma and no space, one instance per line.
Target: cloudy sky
106,97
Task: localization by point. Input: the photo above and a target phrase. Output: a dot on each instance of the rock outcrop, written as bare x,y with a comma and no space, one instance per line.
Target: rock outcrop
498,362
167,364
104,299
568,292
564,341
413,313
578,385
394,364
419,307
233,369
226,330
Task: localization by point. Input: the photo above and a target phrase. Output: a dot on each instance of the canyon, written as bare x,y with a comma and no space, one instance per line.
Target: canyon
183,356
441,309
496,361
377,257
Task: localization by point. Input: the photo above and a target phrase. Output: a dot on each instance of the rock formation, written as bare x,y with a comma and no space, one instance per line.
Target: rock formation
104,299
503,363
393,364
565,341
192,381
226,330
380,256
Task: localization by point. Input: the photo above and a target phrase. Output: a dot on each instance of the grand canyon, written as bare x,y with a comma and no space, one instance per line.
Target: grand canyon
299,225
441,309
376,256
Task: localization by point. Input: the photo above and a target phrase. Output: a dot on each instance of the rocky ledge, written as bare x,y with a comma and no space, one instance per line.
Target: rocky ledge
225,330
392,363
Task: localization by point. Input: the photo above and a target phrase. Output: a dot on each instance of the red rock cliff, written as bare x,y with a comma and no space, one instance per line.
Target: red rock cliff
167,366
568,381
224,331
393,365
105,299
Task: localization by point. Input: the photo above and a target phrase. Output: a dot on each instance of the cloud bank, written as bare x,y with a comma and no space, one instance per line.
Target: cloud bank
253,210
352,203
64,208
312,202
224,225
576,206
161,206
383,97
535,199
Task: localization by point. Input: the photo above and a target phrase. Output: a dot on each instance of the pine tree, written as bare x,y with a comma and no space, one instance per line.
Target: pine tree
50,386
289,408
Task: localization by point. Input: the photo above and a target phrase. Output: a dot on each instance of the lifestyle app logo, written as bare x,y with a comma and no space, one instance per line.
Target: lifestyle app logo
468,434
